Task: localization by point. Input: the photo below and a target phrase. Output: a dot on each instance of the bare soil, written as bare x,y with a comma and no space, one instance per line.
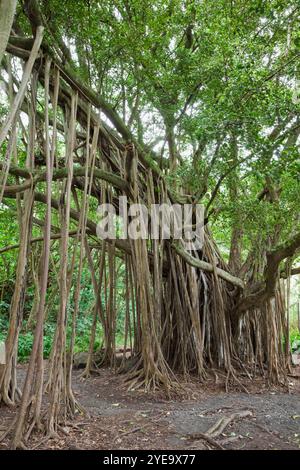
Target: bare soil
121,419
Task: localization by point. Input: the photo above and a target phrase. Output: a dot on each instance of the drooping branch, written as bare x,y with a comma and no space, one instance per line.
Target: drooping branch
204,266
266,288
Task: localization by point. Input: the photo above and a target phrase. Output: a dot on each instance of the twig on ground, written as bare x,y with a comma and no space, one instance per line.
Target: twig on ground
208,439
218,428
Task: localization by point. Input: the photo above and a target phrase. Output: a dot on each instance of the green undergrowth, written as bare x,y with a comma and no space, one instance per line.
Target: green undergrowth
83,330
82,340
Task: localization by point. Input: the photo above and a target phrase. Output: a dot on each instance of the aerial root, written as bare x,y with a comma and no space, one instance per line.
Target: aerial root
87,374
41,442
231,373
8,431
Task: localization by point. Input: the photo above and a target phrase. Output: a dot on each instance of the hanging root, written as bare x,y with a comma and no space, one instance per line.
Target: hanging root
181,319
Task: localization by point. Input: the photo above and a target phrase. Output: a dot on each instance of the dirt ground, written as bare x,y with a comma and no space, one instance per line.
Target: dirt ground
121,419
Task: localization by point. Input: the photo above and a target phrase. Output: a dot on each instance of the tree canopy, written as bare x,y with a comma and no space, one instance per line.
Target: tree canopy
178,101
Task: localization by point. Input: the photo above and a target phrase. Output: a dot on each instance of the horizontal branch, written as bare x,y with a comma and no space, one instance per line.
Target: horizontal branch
122,245
53,236
33,179
204,266
293,272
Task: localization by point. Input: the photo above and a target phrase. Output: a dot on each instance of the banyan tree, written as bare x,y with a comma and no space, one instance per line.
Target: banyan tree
164,103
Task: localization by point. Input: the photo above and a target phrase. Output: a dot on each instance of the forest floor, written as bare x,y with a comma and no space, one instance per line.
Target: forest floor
121,419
